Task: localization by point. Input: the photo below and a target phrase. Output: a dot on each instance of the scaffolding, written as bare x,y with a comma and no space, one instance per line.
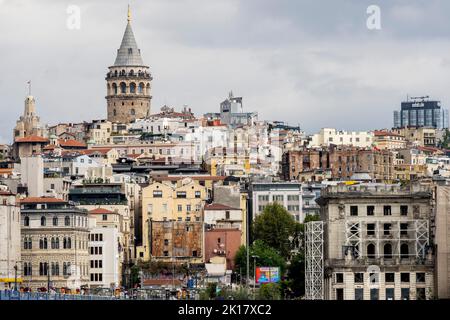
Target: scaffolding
397,233
314,267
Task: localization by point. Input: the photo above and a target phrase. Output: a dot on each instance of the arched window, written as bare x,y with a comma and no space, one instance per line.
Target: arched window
30,243
114,112
43,221
123,87
64,269
387,251
56,243
114,87
132,87
65,243
41,243
131,72
55,220
371,251
141,88
133,112
56,268
53,243
404,251
122,72
26,221
53,269
67,221
115,73
69,243
45,243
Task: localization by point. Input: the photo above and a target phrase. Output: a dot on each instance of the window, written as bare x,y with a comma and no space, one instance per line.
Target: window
374,294
404,277
166,242
166,253
404,251
389,293
387,210
188,208
67,221
227,215
26,221
370,210
371,251
359,294
403,229
387,229
339,278
340,294
43,221
353,210
404,210
420,277
420,294
105,217
180,208
278,198
198,194
194,253
157,194
181,194
387,251
359,277
132,87
404,293
389,277
371,229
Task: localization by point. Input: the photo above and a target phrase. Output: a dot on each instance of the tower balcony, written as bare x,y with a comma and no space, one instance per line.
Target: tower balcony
135,76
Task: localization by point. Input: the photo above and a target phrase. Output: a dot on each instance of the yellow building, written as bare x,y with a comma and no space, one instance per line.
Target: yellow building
167,202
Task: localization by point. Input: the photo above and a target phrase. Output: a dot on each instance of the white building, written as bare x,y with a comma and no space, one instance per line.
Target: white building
288,194
328,136
9,239
104,268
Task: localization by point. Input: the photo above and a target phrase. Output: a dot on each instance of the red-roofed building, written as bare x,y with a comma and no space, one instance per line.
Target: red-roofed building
28,146
387,140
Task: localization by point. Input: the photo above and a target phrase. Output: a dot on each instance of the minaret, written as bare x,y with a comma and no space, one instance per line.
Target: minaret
128,82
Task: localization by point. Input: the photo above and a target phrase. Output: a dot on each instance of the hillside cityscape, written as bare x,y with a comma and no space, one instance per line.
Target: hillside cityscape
159,203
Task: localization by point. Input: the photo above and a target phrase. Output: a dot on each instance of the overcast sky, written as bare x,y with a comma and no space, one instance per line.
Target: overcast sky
307,62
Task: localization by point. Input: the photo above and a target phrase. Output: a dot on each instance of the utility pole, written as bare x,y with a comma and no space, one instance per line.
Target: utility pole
254,276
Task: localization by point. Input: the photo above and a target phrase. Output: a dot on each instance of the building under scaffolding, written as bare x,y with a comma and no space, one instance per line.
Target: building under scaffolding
376,244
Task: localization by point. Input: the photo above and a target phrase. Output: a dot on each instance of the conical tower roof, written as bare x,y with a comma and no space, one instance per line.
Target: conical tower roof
128,53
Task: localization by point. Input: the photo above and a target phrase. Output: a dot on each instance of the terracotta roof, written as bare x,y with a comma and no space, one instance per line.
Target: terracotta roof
101,211
32,139
50,147
71,143
6,170
166,178
99,150
219,206
386,133
42,200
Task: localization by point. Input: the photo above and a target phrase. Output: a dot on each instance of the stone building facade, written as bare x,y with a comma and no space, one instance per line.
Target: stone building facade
377,242
342,162
54,244
128,82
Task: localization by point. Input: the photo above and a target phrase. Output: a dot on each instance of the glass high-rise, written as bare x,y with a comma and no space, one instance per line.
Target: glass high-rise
421,113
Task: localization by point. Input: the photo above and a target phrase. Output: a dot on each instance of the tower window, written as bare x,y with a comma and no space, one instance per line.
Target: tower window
123,87
130,51
132,87
114,112
133,112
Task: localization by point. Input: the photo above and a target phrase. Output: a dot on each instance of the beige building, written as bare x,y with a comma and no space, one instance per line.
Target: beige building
164,202
385,140
377,242
328,136
10,266
99,132
54,237
418,137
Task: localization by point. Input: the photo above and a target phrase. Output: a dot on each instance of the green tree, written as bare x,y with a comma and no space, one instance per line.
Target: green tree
267,257
269,291
276,227
296,275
